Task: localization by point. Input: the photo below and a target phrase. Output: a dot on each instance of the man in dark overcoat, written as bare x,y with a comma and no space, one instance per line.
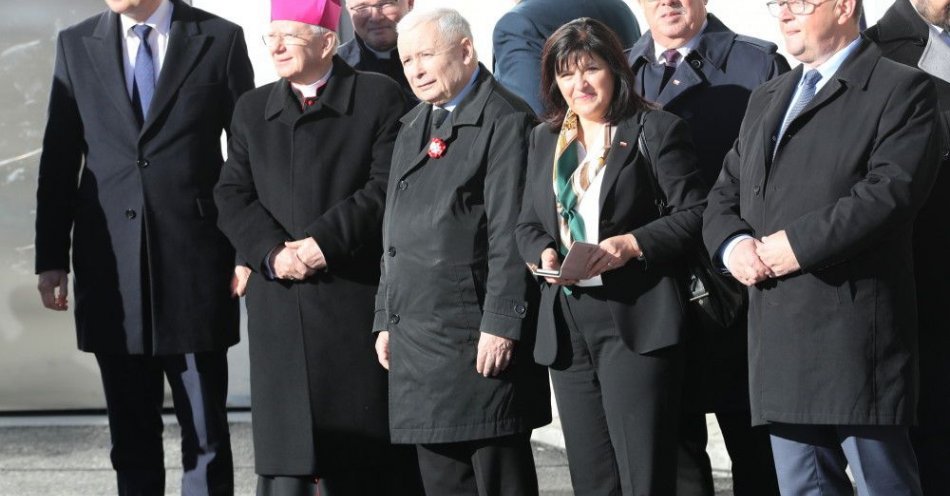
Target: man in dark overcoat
814,211
915,33
141,94
519,36
454,312
373,47
301,197
697,68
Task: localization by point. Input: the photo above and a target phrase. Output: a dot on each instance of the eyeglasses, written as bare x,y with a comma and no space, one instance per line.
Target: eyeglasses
796,7
366,9
286,39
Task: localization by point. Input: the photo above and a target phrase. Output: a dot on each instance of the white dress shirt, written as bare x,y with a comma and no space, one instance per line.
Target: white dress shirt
161,23
684,50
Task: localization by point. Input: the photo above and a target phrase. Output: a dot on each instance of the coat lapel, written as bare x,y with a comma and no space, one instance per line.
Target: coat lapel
701,64
105,52
413,138
544,199
780,95
467,113
622,146
185,44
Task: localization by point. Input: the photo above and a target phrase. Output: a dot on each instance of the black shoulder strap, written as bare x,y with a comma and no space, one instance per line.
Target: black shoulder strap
658,198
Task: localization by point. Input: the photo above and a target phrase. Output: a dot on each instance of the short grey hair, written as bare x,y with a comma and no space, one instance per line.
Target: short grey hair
451,25
320,31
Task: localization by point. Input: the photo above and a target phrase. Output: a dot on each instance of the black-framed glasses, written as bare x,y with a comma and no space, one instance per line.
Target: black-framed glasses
385,7
796,7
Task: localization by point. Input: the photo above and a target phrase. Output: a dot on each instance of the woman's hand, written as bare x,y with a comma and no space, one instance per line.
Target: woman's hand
614,253
550,261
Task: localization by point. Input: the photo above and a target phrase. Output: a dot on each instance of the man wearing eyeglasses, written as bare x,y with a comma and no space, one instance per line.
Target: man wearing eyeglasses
694,66
373,48
301,198
814,211
917,33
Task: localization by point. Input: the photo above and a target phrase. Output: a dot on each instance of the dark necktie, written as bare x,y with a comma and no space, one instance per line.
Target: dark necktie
438,117
143,74
804,98
671,58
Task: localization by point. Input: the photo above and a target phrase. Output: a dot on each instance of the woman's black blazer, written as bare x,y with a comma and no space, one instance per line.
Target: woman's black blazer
645,297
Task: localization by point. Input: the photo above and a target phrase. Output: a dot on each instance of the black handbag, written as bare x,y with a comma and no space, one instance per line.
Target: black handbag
716,299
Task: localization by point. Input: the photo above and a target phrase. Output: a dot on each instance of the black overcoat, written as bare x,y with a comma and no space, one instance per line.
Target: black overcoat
646,297
134,203
710,91
836,342
318,396
902,35
451,269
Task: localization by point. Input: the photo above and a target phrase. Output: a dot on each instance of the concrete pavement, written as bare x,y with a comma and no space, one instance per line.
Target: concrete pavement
69,456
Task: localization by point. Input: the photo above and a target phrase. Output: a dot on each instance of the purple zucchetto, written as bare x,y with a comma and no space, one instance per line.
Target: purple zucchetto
325,13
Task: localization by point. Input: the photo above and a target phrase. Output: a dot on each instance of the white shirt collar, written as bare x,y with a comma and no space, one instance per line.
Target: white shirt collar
684,50
831,66
938,31
160,20
310,90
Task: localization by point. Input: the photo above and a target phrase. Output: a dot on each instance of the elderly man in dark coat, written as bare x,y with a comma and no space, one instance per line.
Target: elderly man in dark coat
454,310
301,197
814,211
699,69
917,33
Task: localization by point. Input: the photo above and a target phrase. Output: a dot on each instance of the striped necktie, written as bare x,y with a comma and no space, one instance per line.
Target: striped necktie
804,98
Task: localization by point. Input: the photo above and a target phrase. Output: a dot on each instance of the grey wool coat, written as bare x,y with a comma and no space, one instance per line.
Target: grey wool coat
451,269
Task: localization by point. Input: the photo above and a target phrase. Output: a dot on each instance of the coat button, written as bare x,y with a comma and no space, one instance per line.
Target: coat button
394,319
755,190
403,185
391,251
696,63
520,309
130,214
946,156
142,163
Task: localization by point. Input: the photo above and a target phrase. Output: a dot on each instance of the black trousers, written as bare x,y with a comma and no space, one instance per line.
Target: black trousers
619,409
400,477
502,466
134,390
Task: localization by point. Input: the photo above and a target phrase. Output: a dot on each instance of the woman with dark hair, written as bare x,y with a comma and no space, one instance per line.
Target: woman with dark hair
612,337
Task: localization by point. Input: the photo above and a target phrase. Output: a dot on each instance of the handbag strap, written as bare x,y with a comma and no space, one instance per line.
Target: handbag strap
658,198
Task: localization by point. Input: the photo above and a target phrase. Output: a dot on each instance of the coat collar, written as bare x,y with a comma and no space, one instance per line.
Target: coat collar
893,26
854,73
336,98
468,113
709,57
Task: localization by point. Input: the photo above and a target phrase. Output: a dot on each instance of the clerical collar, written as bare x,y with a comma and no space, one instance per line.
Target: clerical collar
310,90
385,55
684,50
451,104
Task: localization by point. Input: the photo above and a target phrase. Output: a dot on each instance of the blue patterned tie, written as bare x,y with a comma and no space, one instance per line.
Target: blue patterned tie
804,98
143,81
